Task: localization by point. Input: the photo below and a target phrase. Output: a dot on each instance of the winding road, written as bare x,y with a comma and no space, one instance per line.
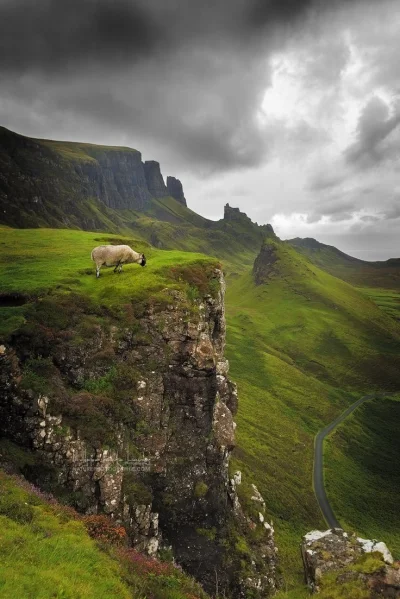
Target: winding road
318,475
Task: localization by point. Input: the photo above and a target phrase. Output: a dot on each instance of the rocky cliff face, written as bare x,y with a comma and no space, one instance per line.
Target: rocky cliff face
175,189
361,563
264,267
46,183
154,178
134,418
116,178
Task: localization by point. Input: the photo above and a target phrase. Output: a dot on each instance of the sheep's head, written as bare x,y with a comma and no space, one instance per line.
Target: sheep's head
142,260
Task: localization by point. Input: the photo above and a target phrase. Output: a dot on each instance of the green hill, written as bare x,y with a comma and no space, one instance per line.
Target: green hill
362,478
302,346
384,274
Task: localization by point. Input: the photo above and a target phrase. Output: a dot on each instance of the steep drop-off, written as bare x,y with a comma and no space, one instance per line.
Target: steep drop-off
128,410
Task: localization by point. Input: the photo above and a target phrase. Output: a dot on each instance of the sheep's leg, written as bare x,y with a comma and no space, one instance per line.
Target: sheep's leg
116,267
120,268
97,271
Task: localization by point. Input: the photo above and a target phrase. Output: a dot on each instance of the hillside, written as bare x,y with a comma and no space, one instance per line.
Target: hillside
385,274
302,346
47,551
303,343
55,184
361,479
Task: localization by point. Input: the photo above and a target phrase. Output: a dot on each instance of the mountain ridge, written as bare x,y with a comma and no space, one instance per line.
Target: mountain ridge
357,272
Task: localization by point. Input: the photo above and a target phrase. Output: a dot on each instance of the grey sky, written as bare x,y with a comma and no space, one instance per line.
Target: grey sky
288,109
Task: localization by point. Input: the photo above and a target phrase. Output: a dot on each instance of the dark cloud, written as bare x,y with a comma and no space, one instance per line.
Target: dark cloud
186,76
52,35
375,124
180,78
393,212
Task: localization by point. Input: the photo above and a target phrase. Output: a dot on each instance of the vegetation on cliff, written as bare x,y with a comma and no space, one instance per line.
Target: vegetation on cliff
46,551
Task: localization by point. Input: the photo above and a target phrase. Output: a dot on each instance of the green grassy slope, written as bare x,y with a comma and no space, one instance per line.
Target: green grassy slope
35,262
387,299
47,553
362,474
357,272
302,346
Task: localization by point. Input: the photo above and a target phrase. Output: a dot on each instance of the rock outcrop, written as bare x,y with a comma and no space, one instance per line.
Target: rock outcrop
175,189
234,214
154,179
335,551
134,419
117,178
264,264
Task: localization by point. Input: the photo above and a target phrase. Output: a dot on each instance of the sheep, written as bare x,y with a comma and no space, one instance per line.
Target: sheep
115,255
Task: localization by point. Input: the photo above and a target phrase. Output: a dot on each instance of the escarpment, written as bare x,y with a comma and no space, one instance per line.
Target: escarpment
131,415
67,184
175,189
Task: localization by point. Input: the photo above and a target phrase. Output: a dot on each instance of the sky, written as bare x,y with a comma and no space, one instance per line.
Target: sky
288,109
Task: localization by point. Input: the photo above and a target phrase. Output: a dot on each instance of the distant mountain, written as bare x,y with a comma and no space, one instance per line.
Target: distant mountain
357,272
45,183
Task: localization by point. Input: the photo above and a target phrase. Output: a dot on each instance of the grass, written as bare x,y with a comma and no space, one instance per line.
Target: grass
302,347
47,553
81,152
44,553
34,262
362,474
386,299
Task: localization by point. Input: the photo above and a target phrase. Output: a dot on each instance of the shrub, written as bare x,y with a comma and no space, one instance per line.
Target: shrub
200,489
103,529
136,491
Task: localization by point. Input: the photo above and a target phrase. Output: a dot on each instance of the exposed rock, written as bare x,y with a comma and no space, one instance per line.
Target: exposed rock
175,189
234,214
178,403
116,178
154,179
263,267
337,551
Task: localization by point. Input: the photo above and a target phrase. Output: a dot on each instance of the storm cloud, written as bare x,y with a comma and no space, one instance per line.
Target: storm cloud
375,125
178,75
293,102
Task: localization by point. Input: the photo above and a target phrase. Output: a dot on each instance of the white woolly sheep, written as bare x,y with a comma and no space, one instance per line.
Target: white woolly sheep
116,255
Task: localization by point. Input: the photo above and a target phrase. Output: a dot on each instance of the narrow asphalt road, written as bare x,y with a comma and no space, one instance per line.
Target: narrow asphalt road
319,463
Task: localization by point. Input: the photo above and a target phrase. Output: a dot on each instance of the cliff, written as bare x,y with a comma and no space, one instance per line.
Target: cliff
154,179
265,263
129,412
175,190
51,183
